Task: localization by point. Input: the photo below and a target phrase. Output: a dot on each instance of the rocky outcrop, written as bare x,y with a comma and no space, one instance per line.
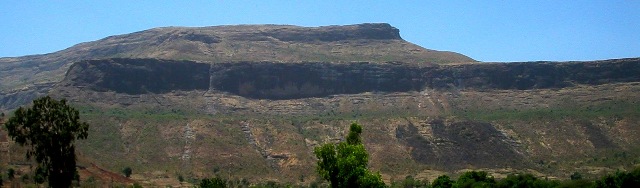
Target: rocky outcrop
138,76
456,145
335,33
266,80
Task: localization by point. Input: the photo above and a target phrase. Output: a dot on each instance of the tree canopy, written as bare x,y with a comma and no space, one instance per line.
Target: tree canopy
50,128
345,164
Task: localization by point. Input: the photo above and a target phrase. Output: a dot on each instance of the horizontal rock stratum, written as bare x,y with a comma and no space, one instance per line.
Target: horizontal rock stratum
252,101
35,74
282,43
274,80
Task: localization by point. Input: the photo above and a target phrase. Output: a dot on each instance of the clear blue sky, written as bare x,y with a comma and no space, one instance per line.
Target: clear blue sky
515,30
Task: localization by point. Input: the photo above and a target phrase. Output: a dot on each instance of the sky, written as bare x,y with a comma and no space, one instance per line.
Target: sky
485,30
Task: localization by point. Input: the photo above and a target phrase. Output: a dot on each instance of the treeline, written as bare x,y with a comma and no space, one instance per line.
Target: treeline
470,179
473,179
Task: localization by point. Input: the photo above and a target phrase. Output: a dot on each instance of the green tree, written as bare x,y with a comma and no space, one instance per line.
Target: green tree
11,173
475,179
216,182
410,182
620,179
50,128
127,171
576,176
345,164
442,181
525,181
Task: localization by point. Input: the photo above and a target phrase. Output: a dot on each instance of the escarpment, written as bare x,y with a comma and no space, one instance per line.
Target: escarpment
269,80
23,78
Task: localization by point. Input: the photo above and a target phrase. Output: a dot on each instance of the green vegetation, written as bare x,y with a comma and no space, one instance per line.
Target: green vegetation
605,109
127,171
345,164
147,114
216,182
483,179
470,179
620,179
442,182
11,173
50,128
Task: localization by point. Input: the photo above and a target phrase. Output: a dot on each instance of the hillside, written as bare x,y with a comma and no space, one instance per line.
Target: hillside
34,75
252,101
261,120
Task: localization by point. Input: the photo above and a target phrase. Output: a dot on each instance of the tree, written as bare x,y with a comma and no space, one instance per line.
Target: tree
475,179
442,181
11,173
576,176
216,182
525,181
345,164
127,171
50,128
620,179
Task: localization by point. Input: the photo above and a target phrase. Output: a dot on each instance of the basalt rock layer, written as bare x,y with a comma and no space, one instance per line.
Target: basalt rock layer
275,43
268,80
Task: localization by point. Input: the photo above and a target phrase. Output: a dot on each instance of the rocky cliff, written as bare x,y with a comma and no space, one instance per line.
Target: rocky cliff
261,120
24,77
268,80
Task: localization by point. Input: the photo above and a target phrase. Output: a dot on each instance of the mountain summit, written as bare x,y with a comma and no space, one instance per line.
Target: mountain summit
379,42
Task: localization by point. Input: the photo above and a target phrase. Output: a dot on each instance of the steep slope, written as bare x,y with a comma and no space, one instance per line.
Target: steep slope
261,120
31,75
268,80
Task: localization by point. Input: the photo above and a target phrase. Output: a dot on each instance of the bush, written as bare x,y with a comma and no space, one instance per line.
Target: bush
620,179
216,182
442,182
127,171
475,179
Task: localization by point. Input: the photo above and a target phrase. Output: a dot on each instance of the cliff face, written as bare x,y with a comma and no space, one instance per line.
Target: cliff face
274,43
139,76
538,117
266,80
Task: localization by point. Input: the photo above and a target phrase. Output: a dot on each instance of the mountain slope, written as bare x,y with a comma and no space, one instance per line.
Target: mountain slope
364,42
261,120
25,77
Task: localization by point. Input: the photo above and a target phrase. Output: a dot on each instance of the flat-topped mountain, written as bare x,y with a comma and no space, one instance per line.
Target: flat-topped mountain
253,101
261,120
280,43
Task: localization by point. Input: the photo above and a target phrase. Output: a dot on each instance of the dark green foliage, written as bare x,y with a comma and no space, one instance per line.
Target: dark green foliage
180,178
345,164
576,176
25,178
353,138
90,182
50,128
576,184
127,171
442,182
216,182
136,185
525,181
475,179
620,179
11,173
